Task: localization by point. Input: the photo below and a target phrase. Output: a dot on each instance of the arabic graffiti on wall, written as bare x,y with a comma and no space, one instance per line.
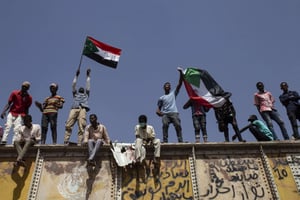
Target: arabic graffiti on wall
171,181
232,178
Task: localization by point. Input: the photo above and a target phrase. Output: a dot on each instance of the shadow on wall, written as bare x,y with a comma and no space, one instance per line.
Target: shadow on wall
19,176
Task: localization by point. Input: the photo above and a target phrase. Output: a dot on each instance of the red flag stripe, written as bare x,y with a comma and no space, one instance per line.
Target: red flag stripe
105,47
194,96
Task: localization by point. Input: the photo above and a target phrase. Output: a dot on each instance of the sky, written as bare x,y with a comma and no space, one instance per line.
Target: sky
238,42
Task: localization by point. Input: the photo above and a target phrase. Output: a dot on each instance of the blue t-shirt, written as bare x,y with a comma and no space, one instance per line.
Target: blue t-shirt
167,103
263,128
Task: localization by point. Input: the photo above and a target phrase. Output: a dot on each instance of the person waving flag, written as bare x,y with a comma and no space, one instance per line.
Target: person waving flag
202,88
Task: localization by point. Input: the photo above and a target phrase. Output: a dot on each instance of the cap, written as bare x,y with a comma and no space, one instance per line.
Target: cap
283,84
26,83
252,118
53,85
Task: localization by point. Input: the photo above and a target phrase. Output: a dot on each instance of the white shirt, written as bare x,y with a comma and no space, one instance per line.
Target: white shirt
145,134
26,133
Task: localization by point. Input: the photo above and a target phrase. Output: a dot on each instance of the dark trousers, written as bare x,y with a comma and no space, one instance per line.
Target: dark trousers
293,116
46,119
258,135
199,122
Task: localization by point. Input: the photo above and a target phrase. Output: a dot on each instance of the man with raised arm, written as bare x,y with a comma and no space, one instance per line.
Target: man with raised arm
79,109
167,110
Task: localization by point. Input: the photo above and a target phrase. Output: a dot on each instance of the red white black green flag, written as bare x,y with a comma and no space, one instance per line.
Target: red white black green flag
201,87
101,52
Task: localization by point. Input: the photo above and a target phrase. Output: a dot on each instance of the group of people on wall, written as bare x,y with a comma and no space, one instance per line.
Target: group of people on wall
226,114
94,135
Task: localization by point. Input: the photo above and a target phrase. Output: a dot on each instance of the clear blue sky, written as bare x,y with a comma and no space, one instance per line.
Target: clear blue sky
237,42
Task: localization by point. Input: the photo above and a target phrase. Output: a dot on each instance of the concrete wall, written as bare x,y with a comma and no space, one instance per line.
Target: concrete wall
186,171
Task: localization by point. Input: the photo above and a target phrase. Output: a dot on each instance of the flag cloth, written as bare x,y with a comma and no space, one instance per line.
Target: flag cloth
202,88
101,52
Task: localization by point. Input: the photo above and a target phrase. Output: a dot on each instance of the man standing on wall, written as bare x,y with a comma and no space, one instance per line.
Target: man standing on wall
166,108
264,102
290,99
18,105
50,109
79,109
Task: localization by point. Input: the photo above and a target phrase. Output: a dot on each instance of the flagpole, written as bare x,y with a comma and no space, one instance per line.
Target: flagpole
81,56
80,62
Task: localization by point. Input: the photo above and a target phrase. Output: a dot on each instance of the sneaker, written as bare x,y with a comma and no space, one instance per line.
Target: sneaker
21,163
16,164
66,143
197,138
91,162
295,137
3,143
156,160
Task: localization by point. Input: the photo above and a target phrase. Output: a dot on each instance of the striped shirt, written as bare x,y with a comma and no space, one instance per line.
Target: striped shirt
52,104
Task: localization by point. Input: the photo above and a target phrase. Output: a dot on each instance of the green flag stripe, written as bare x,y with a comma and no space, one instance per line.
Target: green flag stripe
89,47
192,76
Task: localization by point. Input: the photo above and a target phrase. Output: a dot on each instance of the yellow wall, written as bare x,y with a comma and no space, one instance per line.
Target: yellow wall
283,176
186,171
15,181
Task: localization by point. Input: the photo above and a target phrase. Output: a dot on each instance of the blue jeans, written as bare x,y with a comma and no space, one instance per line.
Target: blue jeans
173,118
268,116
94,147
23,146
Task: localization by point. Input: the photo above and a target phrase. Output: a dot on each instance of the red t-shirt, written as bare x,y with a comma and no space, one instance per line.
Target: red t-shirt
20,104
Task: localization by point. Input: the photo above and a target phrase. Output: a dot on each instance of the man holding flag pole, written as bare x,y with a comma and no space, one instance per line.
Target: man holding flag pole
79,108
203,89
167,109
103,54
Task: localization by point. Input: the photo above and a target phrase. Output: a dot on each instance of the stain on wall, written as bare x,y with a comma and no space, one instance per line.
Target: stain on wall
74,180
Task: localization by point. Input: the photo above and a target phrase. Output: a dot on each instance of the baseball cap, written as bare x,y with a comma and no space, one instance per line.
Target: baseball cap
252,118
53,85
283,84
26,83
